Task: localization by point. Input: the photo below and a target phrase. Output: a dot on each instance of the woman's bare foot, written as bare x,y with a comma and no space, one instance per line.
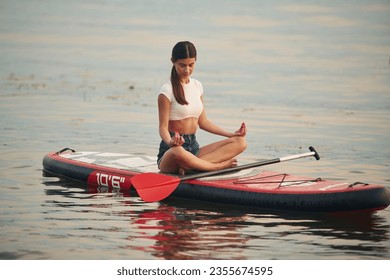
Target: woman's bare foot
228,163
181,171
212,166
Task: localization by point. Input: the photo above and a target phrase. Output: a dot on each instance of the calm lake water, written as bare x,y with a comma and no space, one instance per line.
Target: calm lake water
85,74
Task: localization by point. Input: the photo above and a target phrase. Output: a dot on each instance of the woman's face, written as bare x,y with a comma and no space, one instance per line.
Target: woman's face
184,68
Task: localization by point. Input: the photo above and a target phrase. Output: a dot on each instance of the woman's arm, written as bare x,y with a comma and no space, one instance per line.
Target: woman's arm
164,106
207,125
163,116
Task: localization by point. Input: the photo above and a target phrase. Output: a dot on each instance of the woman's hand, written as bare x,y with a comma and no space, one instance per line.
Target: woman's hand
176,140
241,131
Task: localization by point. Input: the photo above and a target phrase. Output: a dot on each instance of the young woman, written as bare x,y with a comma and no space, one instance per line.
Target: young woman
181,112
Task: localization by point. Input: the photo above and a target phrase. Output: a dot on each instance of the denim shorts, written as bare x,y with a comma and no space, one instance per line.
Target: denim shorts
190,144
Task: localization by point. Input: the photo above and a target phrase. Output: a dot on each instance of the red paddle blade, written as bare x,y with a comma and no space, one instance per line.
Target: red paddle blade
152,187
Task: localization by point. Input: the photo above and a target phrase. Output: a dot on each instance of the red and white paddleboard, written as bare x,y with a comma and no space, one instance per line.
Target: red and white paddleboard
247,187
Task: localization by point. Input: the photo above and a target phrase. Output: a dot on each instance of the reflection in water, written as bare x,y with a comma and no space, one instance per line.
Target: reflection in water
195,234
186,229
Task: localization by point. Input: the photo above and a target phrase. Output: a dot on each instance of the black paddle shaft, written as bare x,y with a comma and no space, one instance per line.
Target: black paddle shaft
312,152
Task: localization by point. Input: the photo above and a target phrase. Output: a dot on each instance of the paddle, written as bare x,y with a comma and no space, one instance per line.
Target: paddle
152,187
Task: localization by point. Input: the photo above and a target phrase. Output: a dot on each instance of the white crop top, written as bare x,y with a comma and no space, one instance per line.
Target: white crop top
193,92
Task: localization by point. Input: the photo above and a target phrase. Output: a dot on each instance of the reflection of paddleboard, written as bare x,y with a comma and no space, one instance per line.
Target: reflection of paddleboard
248,187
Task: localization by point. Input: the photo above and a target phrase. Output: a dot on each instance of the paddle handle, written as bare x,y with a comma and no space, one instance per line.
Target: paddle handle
312,152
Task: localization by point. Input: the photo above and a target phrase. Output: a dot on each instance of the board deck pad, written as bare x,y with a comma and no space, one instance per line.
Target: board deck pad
140,163
130,162
252,178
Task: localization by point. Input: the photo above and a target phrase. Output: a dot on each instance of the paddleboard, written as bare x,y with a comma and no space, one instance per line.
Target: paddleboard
249,187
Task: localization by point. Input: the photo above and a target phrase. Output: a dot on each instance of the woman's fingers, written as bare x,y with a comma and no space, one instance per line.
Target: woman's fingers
177,139
242,130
